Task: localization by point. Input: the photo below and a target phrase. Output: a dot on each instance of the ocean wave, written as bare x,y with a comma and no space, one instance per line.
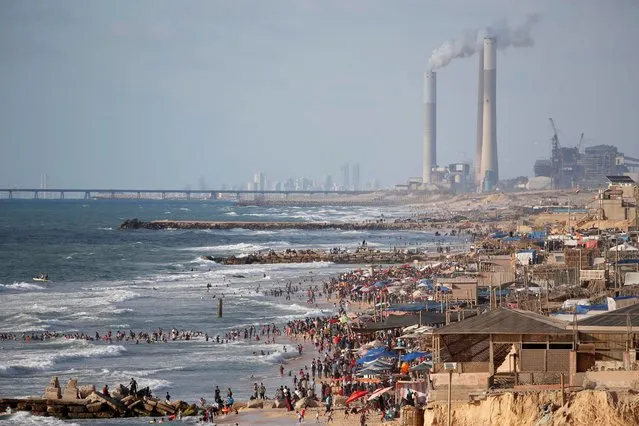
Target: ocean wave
24,286
43,309
28,361
241,247
24,418
230,214
281,357
105,228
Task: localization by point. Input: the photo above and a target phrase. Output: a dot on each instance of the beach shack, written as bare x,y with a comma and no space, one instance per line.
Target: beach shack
503,348
607,349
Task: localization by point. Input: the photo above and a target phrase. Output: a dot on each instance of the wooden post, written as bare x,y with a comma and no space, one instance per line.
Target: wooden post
450,391
491,357
563,395
219,308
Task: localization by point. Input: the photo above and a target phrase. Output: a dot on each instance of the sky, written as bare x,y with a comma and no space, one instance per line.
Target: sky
165,94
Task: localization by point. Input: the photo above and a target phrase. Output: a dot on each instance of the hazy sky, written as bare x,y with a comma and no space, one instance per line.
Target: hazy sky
153,94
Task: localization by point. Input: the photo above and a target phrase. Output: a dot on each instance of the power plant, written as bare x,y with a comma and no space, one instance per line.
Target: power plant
567,167
486,161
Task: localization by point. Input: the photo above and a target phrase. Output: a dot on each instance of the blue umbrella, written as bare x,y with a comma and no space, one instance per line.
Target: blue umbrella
413,356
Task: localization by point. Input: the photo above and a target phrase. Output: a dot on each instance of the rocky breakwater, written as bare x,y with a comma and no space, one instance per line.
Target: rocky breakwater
259,226
309,256
83,402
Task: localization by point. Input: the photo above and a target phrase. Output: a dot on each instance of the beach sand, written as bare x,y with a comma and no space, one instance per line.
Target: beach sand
281,417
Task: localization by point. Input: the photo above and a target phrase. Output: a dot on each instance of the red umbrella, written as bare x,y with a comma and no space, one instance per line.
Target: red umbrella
355,395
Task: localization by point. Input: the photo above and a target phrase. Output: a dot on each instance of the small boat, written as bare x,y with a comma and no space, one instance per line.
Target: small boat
41,278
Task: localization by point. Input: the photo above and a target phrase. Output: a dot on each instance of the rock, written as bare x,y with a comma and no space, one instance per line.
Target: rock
134,404
93,397
53,391
116,405
94,407
120,392
127,399
86,390
279,403
255,403
165,408
71,390
306,402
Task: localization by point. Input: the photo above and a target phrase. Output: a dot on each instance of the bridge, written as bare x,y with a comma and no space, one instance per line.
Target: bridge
163,194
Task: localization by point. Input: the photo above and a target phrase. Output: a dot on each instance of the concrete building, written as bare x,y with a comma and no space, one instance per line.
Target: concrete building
355,177
346,177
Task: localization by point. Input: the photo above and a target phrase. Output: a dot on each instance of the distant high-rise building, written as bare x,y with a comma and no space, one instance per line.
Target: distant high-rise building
259,182
328,183
346,180
355,176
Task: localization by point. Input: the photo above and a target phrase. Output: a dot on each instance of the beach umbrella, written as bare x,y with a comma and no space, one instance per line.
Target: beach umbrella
413,356
355,396
379,392
426,365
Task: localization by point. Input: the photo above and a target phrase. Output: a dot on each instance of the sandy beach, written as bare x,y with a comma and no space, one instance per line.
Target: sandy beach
280,416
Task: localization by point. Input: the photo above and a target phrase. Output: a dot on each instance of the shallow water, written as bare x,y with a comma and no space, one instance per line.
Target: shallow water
105,279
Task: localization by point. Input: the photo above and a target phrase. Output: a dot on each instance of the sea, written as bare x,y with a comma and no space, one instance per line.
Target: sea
102,278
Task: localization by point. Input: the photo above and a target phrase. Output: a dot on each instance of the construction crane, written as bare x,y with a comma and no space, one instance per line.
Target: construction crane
555,136
581,140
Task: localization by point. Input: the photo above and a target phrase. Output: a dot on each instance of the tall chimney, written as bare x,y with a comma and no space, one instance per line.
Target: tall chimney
489,167
430,125
480,120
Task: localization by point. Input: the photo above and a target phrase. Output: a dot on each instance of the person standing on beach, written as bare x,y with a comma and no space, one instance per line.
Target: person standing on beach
262,391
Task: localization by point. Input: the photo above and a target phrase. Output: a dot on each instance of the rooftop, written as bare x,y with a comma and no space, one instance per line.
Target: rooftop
507,321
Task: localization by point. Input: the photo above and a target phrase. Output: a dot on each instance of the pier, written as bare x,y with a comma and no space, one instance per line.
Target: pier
164,194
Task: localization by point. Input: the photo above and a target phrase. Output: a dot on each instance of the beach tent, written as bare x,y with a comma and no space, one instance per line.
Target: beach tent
624,247
413,356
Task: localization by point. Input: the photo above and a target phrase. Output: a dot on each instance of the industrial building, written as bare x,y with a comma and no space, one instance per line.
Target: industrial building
568,167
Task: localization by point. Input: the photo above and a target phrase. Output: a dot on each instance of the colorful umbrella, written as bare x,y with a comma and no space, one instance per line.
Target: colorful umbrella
379,392
354,396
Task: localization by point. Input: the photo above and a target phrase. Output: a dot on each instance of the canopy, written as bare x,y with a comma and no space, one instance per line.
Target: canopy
413,356
379,392
426,365
624,247
368,357
355,396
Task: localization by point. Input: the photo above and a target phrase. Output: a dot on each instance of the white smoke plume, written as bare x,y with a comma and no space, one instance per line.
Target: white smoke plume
471,41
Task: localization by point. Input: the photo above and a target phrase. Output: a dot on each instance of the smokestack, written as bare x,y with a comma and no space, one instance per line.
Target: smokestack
480,119
430,125
489,167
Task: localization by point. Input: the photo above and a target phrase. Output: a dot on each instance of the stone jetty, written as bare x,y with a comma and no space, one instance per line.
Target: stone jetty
340,257
258,226
83,402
